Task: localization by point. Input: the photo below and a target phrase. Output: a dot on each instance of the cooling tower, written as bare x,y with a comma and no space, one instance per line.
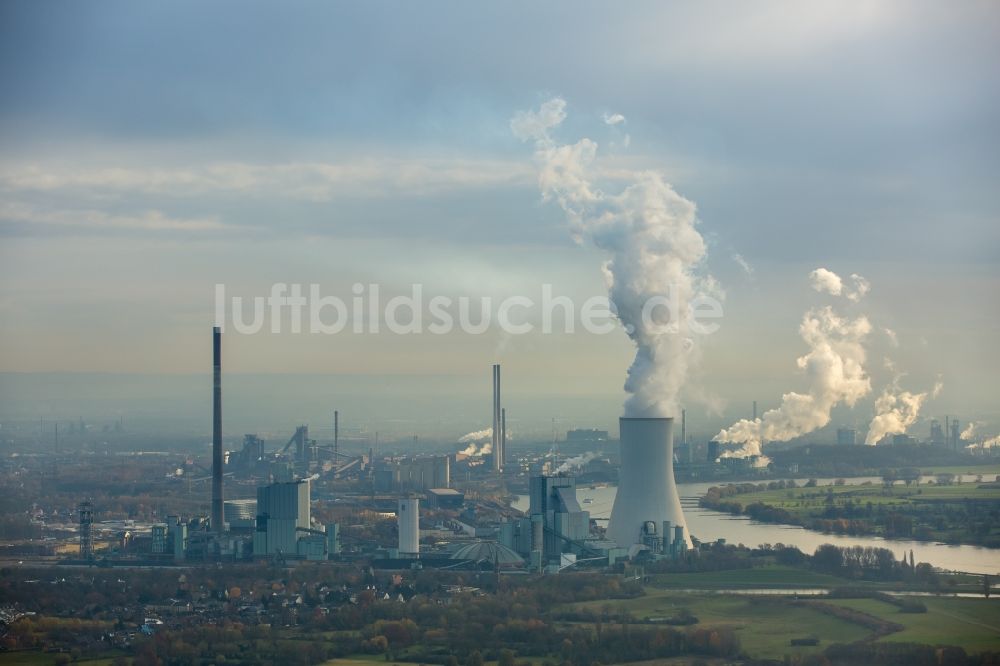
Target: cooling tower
646,488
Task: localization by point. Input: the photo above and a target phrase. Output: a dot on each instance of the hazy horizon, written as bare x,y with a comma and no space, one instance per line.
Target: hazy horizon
148,158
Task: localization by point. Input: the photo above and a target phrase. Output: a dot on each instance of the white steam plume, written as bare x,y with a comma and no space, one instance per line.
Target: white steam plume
895,411
970,431
985,444
476,436
575,462
479,442
826,281
835,368
650,233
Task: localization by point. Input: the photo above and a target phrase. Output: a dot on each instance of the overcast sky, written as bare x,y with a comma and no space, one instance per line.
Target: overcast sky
149,151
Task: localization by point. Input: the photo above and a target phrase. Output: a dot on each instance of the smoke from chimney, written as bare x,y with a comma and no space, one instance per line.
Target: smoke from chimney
895,411
835,369
576,462
479,443
650,233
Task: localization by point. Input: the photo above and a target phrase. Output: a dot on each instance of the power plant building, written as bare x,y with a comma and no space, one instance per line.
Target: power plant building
419,474
282,513
408,517
241,513
171,538
554,498
586,436
556,524
847,437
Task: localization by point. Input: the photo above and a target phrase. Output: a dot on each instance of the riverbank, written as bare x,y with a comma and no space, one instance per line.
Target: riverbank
950,513
709,525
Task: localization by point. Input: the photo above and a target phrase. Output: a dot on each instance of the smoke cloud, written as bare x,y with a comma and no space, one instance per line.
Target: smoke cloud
575,462
650,233
476,436
479,441
970,431
895,411
985,444
835,368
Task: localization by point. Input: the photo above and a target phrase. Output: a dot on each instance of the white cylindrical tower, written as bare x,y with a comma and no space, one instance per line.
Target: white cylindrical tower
646,487
408,516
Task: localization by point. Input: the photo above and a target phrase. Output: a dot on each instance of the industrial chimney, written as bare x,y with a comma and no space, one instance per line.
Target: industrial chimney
218,515
646,488
498,424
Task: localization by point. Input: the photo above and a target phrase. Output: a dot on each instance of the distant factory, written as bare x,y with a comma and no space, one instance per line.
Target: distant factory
435,523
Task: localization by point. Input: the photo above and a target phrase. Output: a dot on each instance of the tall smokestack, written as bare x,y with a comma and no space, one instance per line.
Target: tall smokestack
503,437
646,487
218,517
493,407
497,454
684,436
336,438
754,410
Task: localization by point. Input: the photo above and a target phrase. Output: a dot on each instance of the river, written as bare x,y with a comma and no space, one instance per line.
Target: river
709,525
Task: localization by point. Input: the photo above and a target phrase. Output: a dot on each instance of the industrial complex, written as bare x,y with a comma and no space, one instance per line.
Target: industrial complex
482,507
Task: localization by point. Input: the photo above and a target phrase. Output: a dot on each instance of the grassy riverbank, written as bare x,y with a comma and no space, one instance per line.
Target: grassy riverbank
961,513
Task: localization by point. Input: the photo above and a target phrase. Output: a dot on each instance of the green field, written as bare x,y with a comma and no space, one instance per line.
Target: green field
973,624
985,470
775,577
765,625
804,502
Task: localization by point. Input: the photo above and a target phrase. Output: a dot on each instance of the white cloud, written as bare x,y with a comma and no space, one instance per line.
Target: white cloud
743,263
826,281
613,118
148,220
891,335
314,181
535,125
861,287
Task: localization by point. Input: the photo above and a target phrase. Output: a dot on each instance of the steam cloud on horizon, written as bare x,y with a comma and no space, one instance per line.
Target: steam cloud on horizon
650,232
895,411
575,462
479,442
835,366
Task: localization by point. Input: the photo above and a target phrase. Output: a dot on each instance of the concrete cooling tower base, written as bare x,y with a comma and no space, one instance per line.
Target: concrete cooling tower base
646,487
